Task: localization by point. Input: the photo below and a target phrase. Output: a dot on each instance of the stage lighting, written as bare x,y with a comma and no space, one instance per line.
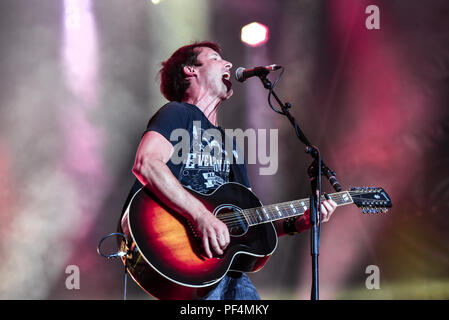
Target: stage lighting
254,34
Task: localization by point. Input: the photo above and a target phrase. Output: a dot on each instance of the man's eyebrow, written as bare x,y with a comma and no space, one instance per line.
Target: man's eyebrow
215,54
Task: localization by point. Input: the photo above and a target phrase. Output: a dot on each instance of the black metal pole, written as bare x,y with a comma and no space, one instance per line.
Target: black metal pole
315,172
314,251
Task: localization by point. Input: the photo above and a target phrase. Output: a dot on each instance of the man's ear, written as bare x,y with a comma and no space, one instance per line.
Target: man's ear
189,71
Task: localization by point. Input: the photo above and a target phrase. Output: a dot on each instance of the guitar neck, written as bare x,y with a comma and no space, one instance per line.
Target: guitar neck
288,209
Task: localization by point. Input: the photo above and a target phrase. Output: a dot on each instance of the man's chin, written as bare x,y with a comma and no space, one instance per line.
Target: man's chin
229,94
229,90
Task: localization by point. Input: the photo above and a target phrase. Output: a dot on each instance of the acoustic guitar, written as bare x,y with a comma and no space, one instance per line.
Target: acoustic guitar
164,254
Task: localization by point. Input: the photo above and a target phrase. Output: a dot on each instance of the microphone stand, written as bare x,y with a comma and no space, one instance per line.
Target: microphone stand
315,171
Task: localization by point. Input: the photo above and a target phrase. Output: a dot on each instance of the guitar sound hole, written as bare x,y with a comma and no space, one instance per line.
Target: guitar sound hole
233,217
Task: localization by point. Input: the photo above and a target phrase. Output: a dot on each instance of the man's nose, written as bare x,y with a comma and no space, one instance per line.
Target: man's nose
228,65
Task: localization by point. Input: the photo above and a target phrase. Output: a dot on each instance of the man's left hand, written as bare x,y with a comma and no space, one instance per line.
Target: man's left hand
327,209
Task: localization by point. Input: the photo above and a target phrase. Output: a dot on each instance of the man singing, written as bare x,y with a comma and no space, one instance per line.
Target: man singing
195,79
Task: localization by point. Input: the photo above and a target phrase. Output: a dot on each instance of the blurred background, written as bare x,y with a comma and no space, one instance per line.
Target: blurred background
79,83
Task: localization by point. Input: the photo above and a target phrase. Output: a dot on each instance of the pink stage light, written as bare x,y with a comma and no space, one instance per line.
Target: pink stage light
254,34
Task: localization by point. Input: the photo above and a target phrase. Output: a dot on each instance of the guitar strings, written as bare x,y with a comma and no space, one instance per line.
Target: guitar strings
249,213
251,217
247,216
236,218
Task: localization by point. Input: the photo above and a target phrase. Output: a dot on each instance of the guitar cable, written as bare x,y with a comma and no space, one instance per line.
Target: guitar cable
119,255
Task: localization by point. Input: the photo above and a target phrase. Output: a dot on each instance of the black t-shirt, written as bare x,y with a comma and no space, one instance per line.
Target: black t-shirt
204,157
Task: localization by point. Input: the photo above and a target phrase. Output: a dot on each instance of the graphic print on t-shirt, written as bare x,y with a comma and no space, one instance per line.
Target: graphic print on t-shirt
207,165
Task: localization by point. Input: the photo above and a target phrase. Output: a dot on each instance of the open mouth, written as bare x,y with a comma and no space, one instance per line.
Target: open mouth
226,81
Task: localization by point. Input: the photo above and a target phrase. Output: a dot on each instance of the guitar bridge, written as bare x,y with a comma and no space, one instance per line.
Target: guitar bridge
193,229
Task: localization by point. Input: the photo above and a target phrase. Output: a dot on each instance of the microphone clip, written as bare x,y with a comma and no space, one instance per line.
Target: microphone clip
266,83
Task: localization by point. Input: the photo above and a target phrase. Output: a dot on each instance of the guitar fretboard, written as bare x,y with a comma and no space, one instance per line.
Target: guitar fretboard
283,210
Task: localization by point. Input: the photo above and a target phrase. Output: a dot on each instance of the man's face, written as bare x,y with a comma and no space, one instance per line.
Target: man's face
214,73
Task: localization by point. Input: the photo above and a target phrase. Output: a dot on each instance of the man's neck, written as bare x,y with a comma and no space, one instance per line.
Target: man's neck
208,105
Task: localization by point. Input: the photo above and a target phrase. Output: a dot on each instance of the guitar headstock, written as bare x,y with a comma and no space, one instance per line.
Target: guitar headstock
371,199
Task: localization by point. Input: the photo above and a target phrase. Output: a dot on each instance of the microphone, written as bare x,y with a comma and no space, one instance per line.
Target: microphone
241,74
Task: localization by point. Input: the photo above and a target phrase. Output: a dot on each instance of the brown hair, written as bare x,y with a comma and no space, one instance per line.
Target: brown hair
173,81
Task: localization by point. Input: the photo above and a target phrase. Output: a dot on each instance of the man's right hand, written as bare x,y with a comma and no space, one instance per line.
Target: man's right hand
213,232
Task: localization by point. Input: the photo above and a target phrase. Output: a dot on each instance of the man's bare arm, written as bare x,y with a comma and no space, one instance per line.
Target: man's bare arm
151,170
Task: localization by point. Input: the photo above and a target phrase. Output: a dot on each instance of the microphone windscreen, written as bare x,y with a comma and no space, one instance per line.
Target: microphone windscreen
239,74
